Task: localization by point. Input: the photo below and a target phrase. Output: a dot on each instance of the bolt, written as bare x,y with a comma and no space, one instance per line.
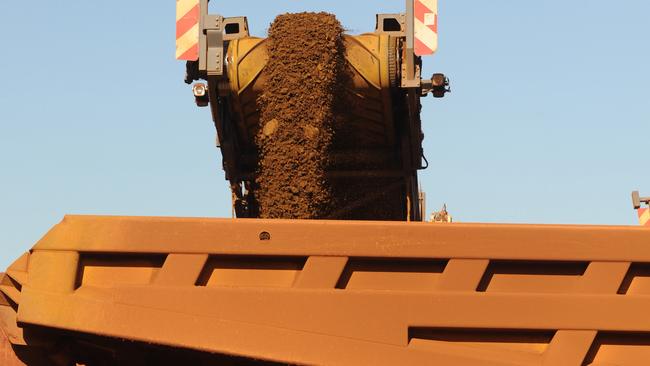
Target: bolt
265,236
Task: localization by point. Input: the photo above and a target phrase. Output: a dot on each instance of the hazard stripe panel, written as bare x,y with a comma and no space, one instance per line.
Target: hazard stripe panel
644,217
188,14
426,26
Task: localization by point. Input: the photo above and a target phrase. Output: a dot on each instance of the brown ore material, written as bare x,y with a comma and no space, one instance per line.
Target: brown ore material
297,106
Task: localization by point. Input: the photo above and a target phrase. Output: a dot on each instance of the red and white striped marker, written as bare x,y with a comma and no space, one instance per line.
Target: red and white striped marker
644,217
426,26
188,15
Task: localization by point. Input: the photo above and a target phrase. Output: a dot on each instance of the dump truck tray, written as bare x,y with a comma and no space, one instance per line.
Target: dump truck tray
333,292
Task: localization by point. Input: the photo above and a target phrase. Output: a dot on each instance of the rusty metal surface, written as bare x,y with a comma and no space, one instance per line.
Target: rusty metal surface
7,355
345,238
344,293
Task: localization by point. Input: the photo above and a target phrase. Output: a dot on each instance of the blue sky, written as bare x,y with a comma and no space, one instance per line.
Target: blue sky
548,121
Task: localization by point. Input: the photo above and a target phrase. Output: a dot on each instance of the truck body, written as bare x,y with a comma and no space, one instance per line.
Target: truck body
106,289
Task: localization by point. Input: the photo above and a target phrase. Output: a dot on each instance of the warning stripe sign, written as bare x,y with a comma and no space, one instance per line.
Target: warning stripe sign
644,217
188,14
426,26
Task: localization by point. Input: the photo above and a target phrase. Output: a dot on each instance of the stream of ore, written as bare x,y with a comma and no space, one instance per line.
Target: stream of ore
298,115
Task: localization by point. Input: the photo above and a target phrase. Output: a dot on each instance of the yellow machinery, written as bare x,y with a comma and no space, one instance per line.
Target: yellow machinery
382,151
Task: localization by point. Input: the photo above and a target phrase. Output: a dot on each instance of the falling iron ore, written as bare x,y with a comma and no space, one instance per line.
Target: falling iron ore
297,115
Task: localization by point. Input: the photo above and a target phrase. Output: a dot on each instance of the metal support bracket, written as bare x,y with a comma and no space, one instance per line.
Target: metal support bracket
391,24
415,81
637,200
211,47
410,71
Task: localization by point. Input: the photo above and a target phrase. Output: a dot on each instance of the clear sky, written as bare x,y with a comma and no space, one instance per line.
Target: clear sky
548,122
